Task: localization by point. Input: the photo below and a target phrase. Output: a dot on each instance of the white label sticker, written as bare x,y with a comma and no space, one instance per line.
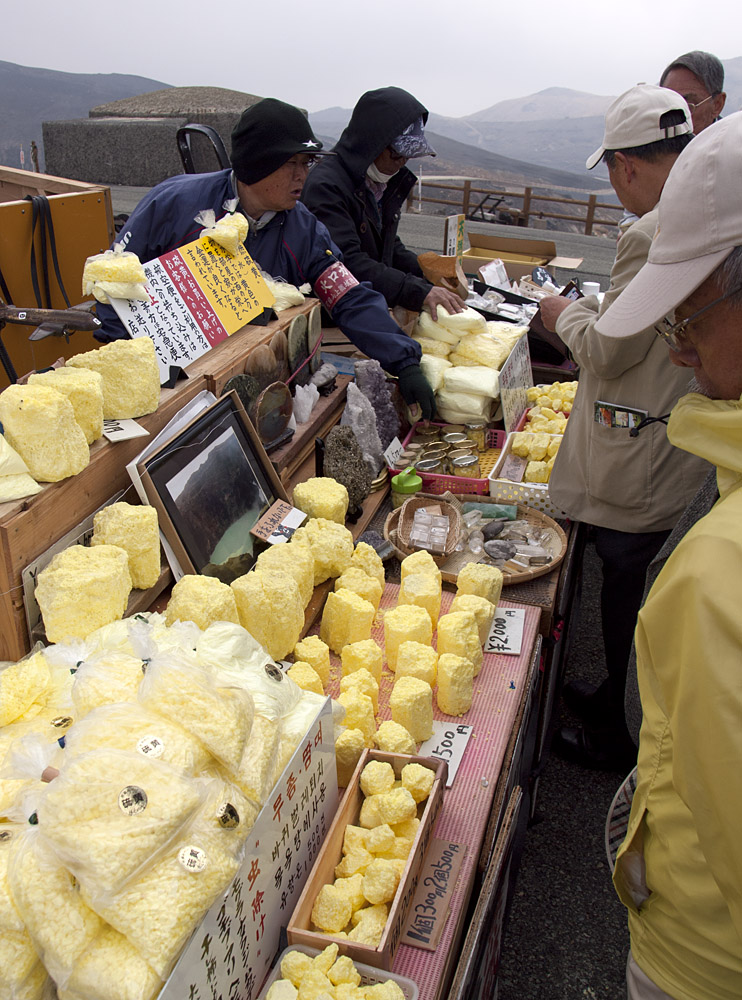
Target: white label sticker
391,455
151,746
448,742
192,858
123,430
132,800
506,634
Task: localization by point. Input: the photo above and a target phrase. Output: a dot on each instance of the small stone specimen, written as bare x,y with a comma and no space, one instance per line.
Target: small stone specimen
344,463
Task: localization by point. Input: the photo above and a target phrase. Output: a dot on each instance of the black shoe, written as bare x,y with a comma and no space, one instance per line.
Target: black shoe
586,701
600,750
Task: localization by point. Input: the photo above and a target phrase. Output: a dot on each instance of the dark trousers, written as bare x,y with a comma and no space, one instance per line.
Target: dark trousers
625,558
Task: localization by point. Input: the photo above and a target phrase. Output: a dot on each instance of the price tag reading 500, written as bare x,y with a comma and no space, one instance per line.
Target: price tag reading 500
448,742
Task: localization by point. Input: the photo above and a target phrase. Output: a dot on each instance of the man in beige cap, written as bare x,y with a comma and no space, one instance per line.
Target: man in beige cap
615,469
679,870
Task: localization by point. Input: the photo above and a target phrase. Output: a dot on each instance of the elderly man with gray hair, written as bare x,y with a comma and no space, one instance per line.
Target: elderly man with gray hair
679,869
699,78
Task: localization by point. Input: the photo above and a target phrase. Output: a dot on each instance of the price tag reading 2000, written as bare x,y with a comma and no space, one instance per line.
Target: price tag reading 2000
448,742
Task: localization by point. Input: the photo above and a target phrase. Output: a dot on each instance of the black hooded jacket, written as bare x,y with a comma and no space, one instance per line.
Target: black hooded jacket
335,191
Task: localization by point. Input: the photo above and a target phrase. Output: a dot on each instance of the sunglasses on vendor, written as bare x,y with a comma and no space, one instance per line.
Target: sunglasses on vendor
673,333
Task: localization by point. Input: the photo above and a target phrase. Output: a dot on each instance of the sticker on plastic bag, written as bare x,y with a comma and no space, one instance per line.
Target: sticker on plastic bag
192,858
151,746
132,800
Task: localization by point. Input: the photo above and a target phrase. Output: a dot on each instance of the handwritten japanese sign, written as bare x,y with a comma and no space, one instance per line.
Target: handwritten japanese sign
516,376
229,954
199,295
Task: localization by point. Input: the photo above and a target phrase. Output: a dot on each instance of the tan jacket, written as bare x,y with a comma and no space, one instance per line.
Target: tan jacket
602,475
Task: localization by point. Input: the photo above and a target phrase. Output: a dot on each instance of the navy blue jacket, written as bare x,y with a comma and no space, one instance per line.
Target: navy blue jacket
294,245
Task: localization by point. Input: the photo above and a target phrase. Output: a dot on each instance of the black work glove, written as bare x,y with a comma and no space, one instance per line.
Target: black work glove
415,389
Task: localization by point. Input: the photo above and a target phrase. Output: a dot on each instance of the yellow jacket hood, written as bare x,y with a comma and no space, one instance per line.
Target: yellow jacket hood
711,429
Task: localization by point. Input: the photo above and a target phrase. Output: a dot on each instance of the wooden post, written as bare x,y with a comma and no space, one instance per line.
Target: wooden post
526,206
467,196
590,215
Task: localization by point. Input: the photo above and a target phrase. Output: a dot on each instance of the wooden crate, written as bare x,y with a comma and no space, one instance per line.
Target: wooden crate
299,928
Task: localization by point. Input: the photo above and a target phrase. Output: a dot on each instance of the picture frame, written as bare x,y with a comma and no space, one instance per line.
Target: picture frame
210,484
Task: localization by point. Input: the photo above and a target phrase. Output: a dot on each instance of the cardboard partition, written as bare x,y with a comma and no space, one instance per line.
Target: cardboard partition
519,256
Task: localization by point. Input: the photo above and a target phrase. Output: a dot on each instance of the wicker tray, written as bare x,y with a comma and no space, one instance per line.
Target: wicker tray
557,543
407,515
391,525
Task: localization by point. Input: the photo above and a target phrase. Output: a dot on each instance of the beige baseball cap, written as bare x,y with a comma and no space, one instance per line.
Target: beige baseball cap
700,223
634,119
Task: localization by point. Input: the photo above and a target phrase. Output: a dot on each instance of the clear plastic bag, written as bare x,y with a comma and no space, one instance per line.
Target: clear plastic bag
104,679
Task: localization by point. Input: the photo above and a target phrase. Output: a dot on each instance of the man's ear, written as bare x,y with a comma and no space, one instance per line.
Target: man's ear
626,165
718,103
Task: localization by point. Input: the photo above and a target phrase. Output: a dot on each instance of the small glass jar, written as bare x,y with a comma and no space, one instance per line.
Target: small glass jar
467,465
405,485
429,467
454,437
476,431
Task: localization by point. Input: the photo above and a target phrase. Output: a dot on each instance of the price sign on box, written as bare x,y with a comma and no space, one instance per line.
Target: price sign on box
448,742
506,634
391,455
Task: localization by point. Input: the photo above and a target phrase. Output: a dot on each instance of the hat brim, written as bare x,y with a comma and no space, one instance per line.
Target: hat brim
656,291
594,160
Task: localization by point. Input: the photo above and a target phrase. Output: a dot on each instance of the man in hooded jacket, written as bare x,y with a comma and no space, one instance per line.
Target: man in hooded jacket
359,192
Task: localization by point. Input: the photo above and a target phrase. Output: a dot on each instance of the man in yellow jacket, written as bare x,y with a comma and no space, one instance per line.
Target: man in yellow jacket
679,870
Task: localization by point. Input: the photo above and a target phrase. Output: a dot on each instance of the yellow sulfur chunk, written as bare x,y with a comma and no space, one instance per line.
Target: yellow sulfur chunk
412,707
369,816
294,965
420,562
554,427
359,713
380,839
21,684
458,634
322,497
482,609
331,545
388,990
135,530
485,581
344,971
407,828
353,889
455,684
363,655
391,737
354,838
361,680
229,232
424,591
282,989
532,393
315,986
82,589
316,653
325,960
298,562
39,423
369,924
353,863
395,806
553,447
380,881
305,676
203,600
436,348
346,618
348,749
84,389
366,557
270,608
377,777
331,910
114,274
538,447
406,622
418,780
416,660
131,378
367,587
537,472
349,991
520,444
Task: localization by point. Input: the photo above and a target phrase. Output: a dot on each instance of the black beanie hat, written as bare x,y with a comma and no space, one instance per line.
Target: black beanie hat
266,136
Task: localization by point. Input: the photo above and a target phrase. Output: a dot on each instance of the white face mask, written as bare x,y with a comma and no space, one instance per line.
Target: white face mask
374,174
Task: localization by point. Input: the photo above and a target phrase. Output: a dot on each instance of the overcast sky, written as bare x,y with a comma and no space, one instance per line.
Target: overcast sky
457,57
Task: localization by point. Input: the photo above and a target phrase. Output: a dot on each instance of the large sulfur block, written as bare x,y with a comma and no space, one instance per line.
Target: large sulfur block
135,530
40,424
391,737
366,557
363,655
83,589
406,622
367,587
420,562
414,659
203,600
412,707
359,713
482,580
346,618
458,634
455,684
348,749
84,389
296,559
363,681
322,497
482,609
131,378
423,590
331,545
316,653
270,608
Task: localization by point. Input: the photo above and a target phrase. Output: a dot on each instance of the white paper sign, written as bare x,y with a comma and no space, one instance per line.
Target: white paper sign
391,455
506,634
448,742
516,376
123,430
